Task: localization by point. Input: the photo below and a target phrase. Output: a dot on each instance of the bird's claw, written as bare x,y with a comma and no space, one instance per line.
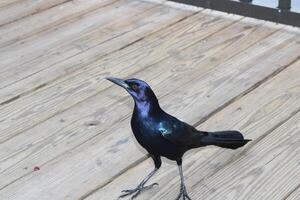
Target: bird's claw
183,194
135,192
185,197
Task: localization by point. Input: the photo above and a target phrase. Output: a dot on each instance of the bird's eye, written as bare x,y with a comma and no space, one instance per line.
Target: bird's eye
134,87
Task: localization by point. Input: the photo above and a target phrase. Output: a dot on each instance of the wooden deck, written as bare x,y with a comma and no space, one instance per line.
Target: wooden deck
65,130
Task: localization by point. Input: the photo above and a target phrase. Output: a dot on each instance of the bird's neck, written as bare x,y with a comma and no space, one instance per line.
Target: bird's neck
147,108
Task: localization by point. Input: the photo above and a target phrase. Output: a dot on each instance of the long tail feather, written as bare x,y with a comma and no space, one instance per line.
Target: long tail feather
225,139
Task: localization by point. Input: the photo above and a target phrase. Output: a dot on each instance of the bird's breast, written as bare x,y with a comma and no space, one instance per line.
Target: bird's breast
146,127
148,133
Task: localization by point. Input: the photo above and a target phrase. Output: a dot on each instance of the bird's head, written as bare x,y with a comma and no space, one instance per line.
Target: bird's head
138,89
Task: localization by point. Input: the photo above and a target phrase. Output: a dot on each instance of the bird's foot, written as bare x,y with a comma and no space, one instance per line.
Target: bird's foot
135,192
183,194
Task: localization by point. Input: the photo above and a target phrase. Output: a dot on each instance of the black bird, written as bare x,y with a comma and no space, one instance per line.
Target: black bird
162,134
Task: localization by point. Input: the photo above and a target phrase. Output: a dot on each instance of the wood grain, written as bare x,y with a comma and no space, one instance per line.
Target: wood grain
52,17
19,9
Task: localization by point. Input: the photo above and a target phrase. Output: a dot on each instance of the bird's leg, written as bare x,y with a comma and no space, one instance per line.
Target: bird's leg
183,193
141,187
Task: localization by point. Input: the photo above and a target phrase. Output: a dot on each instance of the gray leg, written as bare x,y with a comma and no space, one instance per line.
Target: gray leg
141,187
183,193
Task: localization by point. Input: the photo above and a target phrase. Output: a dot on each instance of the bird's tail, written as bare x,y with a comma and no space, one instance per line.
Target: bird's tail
225,139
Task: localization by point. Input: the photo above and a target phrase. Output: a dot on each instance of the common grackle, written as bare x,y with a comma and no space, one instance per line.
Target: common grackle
162,134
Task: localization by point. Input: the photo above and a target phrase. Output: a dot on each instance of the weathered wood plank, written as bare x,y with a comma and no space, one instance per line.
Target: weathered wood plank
272,106
19,9
112,147
125,62
269,170
15,56
31,25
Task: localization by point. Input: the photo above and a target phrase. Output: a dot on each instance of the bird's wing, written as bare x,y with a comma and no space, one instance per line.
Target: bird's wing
181,133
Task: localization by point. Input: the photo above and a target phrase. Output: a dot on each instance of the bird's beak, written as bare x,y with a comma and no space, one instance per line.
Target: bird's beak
118,81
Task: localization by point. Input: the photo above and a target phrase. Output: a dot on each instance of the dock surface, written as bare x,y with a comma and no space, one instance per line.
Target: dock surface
65,130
